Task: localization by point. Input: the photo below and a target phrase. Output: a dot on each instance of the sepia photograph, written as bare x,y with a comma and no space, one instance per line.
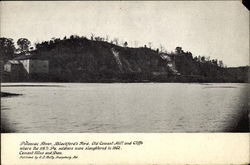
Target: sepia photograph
124,67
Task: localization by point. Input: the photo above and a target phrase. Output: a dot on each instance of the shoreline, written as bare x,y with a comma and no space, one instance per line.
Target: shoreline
7,94
115,81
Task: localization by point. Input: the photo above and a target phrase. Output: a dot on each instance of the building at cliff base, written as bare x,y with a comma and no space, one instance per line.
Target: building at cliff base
23,66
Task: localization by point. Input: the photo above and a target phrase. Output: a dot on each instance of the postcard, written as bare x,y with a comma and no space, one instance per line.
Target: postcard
124,82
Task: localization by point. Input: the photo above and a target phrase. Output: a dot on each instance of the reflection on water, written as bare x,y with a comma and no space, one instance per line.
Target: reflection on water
133,107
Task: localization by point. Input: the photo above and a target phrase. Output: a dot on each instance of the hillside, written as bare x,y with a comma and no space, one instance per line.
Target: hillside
83,60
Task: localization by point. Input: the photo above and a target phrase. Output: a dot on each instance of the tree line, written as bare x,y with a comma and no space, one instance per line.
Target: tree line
9,51
200,59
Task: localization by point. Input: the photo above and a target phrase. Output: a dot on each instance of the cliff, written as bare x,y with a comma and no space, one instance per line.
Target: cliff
82,60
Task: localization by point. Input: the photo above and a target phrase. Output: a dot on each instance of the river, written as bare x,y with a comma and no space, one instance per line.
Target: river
122,107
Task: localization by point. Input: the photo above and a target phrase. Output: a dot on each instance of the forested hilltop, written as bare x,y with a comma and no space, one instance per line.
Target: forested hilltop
79,59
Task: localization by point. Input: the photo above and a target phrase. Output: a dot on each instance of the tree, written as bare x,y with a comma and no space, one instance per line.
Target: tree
178,50
221,64
23,45
74,37
92,36
203,59
7,49
107,38
116,41
199,58
161,48
125,44
99,38
157,50
215,62
195,58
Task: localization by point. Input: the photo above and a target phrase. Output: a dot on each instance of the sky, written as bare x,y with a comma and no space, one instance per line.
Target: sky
217,29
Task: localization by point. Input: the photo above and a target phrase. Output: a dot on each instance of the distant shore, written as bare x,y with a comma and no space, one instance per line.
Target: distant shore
6,94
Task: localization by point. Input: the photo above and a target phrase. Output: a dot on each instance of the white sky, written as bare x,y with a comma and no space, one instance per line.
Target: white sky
210,28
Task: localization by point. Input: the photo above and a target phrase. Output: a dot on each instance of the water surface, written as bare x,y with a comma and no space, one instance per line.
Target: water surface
122,107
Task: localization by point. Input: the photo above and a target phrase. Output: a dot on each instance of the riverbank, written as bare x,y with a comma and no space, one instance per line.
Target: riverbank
6,94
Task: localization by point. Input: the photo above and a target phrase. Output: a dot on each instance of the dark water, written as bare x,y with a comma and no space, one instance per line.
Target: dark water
133,107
